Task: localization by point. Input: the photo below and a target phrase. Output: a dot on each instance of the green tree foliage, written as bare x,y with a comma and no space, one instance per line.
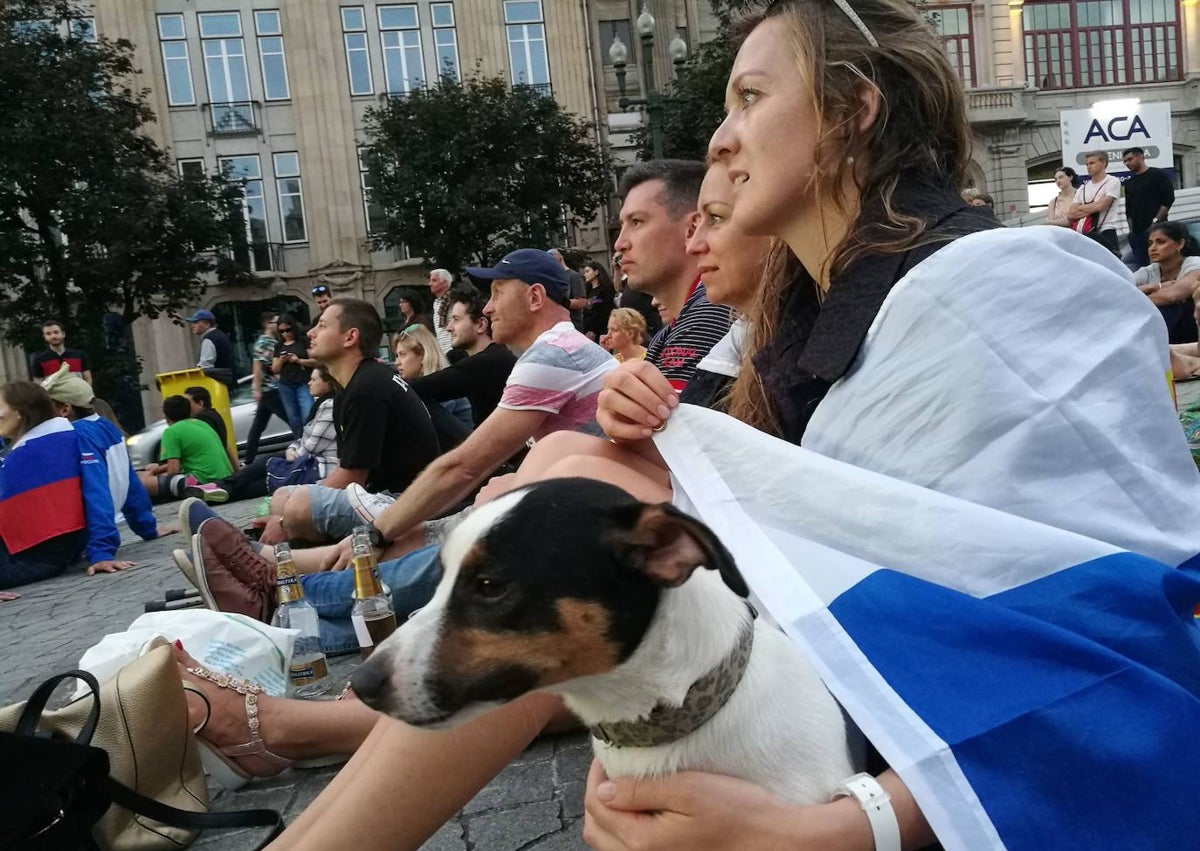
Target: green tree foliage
94,220
466,172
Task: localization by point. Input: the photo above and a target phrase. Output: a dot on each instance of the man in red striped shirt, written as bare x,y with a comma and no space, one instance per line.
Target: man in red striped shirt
47,363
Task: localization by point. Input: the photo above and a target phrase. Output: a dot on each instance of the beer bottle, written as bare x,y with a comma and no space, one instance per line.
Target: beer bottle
373,617
309,673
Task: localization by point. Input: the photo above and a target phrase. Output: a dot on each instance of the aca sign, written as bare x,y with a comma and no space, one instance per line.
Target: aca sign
1114,126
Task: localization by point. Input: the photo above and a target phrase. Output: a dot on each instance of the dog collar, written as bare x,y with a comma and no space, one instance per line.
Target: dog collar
667,724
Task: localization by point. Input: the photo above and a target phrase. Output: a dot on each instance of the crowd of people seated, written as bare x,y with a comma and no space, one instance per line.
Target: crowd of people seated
835,174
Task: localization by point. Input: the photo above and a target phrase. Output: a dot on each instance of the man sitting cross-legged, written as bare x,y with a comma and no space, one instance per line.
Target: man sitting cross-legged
191,453
384,434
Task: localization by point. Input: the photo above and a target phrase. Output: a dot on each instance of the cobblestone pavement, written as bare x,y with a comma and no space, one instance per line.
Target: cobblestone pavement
536,804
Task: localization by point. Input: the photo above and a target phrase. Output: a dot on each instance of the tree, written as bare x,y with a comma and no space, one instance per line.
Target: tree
94,222
465,172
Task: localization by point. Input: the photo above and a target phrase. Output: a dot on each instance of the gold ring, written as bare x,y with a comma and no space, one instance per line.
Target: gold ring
660,426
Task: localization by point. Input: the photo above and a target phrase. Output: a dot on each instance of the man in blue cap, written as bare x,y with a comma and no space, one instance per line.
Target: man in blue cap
216,351
553,386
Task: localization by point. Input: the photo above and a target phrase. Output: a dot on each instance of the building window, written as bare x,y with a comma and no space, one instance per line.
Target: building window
192,169
953,24
84,29
225,68
1101,43
376,219
176,65
610,30
445,41
270,55
247,172
291,197
358,53
526,32
400,36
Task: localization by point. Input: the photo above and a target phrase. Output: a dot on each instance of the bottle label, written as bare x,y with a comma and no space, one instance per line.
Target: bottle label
308,672
360,631
288,588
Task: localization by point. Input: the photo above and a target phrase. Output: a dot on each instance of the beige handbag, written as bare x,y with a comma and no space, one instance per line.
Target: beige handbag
144,729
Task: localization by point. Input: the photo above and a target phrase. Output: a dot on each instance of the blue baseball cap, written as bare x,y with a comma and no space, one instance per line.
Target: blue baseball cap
531,265
199,315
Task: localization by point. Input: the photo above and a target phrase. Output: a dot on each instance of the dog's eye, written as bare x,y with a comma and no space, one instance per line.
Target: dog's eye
491,588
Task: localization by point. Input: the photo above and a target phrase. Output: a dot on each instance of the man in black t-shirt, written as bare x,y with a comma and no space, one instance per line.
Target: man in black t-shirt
384,434
1148,199
482,374
47,363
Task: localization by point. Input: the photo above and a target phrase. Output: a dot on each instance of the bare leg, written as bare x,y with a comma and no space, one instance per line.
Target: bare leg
150,483
404,783
297,517
1184,365
561,445
647,488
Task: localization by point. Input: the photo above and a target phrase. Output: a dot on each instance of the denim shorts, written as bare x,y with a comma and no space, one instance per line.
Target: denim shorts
331,512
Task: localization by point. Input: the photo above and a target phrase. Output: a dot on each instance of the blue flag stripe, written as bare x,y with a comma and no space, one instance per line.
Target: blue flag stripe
1047,682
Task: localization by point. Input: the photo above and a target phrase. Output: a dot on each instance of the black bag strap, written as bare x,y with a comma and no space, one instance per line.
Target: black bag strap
32,713
123,796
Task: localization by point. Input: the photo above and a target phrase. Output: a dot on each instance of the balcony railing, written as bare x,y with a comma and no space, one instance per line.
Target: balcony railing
996,105
260,256
232,118
543,89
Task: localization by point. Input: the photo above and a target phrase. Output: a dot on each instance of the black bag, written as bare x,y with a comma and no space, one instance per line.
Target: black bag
52,791
305,470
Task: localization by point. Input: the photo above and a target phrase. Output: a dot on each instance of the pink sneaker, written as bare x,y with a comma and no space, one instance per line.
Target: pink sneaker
211,493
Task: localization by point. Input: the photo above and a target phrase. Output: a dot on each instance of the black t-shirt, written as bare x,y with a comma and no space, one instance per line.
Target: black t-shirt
292,373
383,427
47,363
208,415
1145,194
480,378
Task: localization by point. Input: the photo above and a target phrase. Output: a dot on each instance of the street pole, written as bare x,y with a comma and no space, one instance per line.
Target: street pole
618,54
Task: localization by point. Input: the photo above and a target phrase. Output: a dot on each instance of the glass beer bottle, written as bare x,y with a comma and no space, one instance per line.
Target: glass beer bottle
373,617
309,673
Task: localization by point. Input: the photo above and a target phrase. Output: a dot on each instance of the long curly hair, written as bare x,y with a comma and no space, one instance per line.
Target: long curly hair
921,134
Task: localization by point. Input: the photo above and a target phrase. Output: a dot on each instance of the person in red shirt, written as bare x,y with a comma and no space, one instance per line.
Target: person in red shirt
47,363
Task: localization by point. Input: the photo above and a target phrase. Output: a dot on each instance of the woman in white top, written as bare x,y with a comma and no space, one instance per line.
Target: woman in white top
1169,281
1056,213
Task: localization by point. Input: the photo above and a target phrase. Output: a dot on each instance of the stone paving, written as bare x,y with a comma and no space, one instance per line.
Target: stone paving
536,804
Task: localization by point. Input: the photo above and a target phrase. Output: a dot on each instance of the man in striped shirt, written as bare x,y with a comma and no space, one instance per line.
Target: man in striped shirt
553,386
658,214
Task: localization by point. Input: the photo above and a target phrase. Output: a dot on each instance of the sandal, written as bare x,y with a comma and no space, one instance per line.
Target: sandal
222,762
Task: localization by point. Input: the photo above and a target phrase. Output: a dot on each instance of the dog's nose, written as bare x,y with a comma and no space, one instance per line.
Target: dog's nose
368,682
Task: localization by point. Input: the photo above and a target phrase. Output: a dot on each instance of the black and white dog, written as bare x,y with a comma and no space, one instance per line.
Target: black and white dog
571,586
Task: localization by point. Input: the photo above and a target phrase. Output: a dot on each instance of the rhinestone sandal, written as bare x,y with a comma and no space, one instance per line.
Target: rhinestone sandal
222,762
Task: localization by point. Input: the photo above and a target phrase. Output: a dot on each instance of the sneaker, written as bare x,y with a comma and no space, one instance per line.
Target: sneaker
231,576
211,493
366,505
184,562
193,512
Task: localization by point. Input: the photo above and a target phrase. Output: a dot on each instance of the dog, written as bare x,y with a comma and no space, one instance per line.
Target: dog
571,586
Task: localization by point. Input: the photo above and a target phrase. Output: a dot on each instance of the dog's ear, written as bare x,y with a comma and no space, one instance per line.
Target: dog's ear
668,545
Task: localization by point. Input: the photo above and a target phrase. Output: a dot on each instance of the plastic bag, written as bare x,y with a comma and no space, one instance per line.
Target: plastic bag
234,644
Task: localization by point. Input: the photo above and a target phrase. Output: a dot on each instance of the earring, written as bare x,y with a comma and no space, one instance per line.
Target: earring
849,160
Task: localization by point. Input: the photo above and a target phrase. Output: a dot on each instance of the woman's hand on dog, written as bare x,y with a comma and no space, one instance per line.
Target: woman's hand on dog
636,400
690,810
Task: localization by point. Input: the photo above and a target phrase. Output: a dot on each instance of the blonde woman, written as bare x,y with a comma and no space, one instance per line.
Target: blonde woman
417,354
626,337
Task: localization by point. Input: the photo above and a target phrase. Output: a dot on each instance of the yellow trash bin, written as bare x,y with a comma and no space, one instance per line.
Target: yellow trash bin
174,383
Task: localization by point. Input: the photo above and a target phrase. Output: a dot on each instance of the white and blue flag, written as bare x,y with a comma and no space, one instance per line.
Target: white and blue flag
987,543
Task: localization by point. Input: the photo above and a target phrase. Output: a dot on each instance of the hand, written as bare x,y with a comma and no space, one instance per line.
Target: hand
340,555
690,810
108,567
636,399
272,532
9,596
257,395
163,531
1148,288
496,486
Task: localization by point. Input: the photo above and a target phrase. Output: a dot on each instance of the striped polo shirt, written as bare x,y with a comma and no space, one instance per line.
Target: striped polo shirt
562,373
679,347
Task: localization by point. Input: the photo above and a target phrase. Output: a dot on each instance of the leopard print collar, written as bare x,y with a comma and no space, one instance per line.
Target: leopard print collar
667,724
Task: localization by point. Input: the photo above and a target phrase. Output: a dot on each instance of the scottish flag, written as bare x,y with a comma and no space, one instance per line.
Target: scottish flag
986,543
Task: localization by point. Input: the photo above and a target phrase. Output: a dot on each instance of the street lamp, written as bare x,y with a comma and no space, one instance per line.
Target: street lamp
618,54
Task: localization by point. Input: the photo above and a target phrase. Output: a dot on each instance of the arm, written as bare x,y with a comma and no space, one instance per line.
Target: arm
103,539
208,355
1078,210
87,376
174,468
454,382
257,368
1055,214
451,477
1174,292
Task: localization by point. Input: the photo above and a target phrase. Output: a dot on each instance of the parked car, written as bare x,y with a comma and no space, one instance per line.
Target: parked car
143,446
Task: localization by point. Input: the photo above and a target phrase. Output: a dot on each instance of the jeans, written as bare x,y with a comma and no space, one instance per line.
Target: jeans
43,561
269,404
297,401
411,577
1138,240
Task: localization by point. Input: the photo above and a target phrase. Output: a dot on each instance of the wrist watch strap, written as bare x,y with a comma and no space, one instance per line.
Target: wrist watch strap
877,804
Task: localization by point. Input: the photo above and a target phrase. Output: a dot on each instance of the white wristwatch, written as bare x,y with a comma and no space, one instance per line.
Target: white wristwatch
877,804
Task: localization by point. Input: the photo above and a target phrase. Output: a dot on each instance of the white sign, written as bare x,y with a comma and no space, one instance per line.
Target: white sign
1114,126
